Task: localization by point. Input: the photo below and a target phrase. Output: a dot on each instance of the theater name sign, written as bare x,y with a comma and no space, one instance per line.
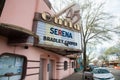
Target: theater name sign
57,32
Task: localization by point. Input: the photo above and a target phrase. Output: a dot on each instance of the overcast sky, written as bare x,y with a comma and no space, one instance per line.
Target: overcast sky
111,6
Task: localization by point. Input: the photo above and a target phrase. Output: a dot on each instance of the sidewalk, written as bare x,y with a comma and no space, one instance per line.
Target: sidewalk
74,76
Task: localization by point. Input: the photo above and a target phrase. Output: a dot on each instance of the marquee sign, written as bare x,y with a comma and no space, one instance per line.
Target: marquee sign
57,36
57,21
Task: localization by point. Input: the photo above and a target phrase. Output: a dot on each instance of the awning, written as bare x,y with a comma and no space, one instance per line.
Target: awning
59,50
15,33
9,30
73,56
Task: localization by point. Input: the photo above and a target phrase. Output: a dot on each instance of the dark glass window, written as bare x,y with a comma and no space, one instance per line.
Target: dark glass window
2,2
65,65
12,67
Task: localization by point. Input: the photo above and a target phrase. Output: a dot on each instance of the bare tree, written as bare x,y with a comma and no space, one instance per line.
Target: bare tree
96,25
104,59
90,56
114,50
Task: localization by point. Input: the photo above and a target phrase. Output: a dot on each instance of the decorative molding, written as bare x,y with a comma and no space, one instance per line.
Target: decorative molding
32,74
32,67
32,61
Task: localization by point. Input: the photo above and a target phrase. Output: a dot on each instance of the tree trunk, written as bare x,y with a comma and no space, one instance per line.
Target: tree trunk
84,56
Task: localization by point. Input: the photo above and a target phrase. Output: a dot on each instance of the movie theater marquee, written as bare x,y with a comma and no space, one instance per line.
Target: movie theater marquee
57,32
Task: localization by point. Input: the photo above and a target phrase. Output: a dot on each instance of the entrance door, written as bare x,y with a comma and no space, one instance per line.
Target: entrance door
51,63
11,67
42,66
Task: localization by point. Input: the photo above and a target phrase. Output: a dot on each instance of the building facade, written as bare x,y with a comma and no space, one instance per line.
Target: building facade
33,44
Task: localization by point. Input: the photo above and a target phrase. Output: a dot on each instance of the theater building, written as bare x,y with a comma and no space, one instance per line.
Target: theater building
35,45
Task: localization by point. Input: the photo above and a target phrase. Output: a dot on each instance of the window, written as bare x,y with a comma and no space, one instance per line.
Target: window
12,67
48,3
2,2
65,65
73,64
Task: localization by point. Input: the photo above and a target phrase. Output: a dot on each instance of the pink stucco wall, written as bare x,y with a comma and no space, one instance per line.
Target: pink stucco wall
4,47
63,73
33,53
19,12
42,7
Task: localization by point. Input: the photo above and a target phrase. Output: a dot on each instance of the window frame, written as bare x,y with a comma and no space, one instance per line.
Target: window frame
73,64
24,67
65,65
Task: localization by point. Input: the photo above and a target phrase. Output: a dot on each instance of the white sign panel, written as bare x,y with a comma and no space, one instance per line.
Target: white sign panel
58,36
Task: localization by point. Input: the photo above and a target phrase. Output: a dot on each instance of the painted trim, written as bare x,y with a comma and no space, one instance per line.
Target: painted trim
32,67
32,61
60,69
32,74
